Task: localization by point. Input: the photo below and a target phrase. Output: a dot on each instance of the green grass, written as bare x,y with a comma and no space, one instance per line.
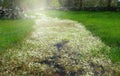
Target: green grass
13,32
105,25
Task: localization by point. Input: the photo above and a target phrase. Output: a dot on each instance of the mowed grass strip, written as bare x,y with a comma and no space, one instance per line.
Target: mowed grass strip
13,32
105,25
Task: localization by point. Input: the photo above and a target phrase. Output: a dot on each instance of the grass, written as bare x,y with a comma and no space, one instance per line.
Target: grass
105,25
13,32
55,45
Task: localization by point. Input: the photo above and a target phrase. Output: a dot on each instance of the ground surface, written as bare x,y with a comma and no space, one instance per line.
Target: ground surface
105,25
58,48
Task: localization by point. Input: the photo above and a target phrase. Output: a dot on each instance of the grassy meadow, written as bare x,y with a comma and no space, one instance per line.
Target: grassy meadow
13,32
56,45
105,25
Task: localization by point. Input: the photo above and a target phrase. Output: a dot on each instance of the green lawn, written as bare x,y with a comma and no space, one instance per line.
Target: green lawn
13,32
105,25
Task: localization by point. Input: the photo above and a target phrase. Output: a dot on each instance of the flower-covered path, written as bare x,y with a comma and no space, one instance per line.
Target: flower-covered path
58,48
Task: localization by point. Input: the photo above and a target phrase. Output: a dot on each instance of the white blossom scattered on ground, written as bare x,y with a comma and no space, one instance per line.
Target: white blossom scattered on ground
57,48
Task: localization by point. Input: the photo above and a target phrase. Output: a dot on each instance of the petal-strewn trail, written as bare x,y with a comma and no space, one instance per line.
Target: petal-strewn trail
58,48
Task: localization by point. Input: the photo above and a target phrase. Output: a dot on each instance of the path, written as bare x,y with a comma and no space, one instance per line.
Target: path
58,48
